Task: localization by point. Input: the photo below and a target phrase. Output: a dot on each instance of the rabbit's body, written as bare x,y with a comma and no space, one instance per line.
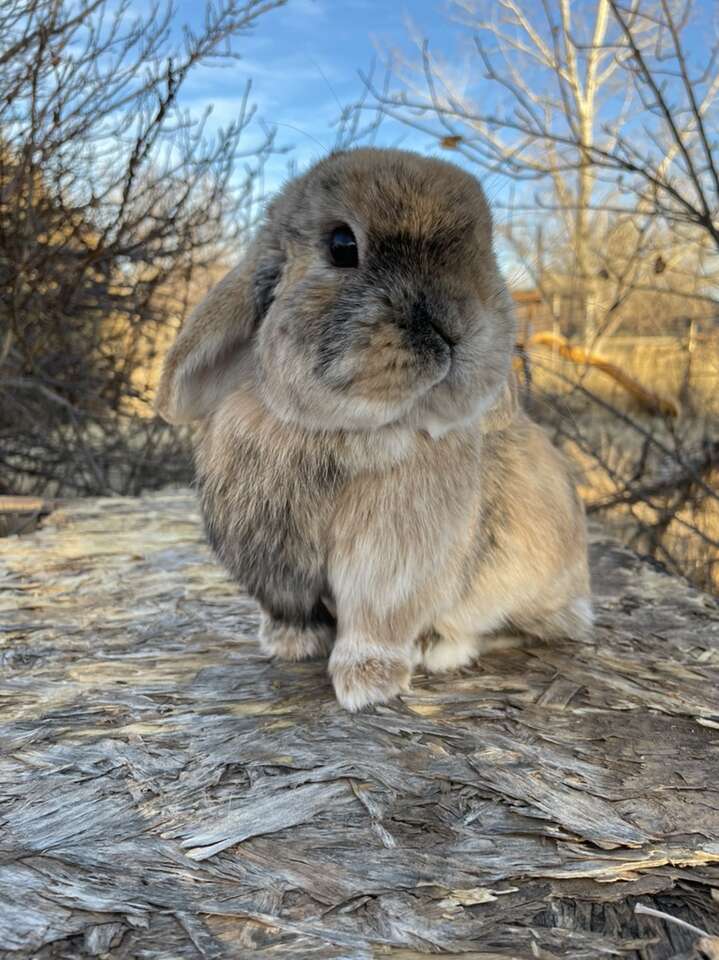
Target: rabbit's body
365,471
417,563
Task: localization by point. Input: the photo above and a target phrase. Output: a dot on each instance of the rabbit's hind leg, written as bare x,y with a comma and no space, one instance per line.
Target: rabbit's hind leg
297,638
573,621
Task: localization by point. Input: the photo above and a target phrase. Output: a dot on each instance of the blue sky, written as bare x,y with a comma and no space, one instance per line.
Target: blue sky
304,59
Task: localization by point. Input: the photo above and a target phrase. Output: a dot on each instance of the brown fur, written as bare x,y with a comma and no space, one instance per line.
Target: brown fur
365,470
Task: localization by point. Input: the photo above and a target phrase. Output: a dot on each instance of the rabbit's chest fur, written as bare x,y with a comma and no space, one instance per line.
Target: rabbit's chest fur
278,502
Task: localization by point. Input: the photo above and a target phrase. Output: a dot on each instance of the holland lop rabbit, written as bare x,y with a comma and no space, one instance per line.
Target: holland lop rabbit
365,470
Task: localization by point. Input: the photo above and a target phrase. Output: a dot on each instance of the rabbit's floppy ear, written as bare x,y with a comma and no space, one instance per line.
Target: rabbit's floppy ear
205,362
505,408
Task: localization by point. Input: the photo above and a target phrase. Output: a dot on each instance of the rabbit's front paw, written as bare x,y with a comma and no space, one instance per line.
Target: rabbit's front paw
363,680
288,641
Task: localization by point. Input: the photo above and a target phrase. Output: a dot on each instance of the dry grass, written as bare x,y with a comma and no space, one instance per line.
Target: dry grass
621,451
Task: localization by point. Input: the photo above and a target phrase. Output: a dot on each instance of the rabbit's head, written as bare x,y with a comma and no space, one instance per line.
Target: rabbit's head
369,296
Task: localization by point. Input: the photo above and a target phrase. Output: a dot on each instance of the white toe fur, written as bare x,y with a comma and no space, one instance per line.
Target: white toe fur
444,655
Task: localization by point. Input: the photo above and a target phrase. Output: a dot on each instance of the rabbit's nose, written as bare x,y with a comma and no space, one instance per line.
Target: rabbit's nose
426,333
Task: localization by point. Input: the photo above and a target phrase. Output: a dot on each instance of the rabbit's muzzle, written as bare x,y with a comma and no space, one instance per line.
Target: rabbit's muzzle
427,337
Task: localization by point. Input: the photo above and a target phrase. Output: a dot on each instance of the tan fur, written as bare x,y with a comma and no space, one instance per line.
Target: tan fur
367,482
193,381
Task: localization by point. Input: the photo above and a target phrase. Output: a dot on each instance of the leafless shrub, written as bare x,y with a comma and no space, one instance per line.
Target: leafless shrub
113,200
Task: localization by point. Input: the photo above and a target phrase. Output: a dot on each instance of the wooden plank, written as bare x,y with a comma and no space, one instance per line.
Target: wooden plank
167,792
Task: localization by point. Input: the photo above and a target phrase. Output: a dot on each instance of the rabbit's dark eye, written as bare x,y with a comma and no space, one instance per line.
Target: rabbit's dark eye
343,247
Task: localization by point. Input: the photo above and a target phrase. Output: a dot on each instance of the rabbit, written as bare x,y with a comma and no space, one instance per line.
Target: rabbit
365,468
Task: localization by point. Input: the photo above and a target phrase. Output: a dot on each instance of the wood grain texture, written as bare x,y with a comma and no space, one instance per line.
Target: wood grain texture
166,792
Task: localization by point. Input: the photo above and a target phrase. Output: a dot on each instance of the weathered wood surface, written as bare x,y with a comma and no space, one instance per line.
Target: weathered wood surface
165,792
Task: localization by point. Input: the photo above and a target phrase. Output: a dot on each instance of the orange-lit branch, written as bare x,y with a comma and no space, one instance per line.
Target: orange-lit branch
648,399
